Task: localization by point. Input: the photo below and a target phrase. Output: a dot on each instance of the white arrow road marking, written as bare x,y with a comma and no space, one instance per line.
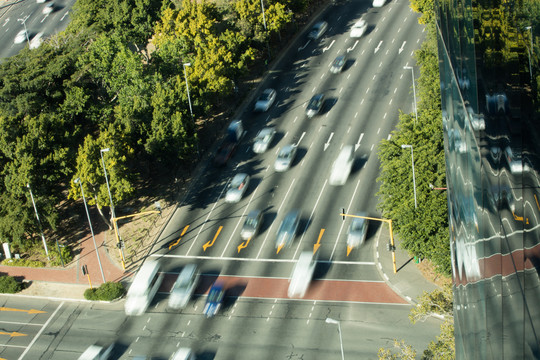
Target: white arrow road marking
66,14
357,145
352,48
378,46
402,46
5,22
328,142
306,44
329,46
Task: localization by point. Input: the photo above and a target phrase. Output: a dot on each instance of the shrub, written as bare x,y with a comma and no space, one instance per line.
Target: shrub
107,291
8,285
23,262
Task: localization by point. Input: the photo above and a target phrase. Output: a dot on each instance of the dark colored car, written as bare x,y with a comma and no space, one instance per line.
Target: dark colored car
315,105
224,153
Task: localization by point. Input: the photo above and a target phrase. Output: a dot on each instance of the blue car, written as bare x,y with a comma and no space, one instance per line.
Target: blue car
214,300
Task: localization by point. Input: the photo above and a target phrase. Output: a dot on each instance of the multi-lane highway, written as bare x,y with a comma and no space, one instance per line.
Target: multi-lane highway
258,320
29,13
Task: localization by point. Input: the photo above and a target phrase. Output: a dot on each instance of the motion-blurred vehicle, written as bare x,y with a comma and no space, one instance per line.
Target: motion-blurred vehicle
214,299
287,229
359,28
40,1
318,30
338,64
48,8
97,352
265,100
315,105
20,37
341,168
183,287
235,131
357,231
237,188
183,354
302,275
143,288
285,158
378,3
251,225
263,140
36,41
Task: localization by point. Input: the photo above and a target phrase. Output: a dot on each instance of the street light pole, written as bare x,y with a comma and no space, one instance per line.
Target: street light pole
335,322
187,87
78,181
39,223
414,93
413,177
264,19
115,226
530,52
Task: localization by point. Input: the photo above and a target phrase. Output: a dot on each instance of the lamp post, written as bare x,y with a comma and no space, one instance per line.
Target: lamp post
78,181
335,322
23,21
39,222
264,19
113,215
414,92
413,177
530,52
187,87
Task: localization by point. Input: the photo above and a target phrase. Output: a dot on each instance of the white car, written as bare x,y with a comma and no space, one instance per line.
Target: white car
265,100
357,231
302,275
183,287
359,28
378,3
97,352
341,168
285,158
20,37
237,188
40,1
36,41
263,140
49,8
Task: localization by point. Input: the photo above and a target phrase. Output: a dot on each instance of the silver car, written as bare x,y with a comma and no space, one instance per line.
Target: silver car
315,105
285,158
184,287
251,225
357,231
265,100
318,30
287,229
237,188
338,64
263,140
302,274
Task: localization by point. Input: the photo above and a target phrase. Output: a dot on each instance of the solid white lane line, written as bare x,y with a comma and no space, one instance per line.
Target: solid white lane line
40,331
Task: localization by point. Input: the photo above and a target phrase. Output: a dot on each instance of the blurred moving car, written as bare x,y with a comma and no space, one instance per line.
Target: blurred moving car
20,37
97,352
285,158
251,225
263,140
48,8
40,1
143,288
287,229
318,30
183,287
315,105
237,188
302,275
338,64
359,28
235,131
357,231
265,100
214,299
378,3
36,41
183,354
341,168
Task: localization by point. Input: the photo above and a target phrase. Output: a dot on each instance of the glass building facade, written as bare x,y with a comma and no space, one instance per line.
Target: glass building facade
488,61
